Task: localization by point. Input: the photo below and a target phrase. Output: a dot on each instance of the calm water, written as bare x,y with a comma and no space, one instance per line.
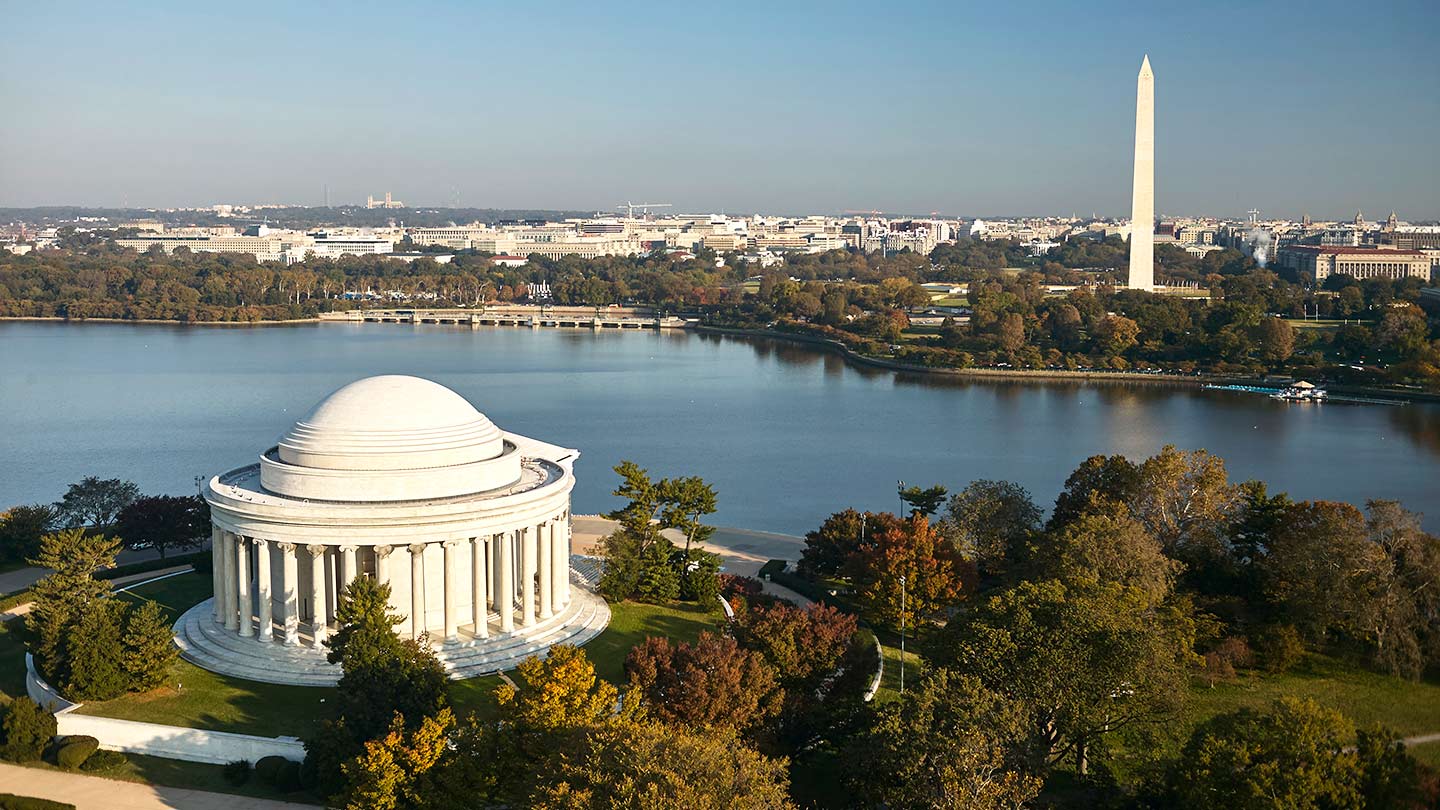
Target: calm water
786,434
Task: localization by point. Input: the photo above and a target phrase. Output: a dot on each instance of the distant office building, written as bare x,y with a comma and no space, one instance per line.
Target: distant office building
1318,263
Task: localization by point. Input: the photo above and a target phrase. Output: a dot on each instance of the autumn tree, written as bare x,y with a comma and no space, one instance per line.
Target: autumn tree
1100,546
649,766
949,743
711,683
390,772
829,548
912,549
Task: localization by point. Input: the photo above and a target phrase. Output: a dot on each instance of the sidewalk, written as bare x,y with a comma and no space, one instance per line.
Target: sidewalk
96,793
21,578
20,610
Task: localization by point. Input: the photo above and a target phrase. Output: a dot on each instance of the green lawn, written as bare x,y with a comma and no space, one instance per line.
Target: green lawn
631,622
1365,697
12,660
890,679
198,698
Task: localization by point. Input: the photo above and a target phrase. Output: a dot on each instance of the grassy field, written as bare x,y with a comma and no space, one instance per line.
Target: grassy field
1365,697
890,679
202,699
631,622
12,660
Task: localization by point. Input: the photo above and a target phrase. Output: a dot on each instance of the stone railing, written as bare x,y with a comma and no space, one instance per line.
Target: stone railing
879,671
154,739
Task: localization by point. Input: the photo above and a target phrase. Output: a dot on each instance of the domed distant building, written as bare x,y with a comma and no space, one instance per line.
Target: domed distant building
400,479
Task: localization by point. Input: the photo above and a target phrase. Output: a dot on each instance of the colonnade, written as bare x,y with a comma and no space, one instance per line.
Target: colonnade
522,575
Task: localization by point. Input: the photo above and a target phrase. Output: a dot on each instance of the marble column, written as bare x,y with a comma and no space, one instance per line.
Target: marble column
565,555
318,597
505,593
263,591
242,587
289,593
557,565
347,567
417,590
232,581
527,575
452,620
479,610
382,564
217,574
545,557
492,560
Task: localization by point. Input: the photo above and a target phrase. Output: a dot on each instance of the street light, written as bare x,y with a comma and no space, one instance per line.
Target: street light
902,634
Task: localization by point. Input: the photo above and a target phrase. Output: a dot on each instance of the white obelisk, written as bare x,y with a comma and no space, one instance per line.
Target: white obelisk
1142,209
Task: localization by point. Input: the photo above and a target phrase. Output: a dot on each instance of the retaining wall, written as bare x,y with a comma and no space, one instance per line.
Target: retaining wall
154,739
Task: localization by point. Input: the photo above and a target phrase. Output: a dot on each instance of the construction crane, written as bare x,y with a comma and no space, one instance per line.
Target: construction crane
644,207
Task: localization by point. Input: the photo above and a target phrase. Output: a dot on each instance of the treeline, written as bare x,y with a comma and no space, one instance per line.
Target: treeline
1065,648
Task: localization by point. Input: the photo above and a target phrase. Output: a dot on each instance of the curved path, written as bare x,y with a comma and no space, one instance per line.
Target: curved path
97,793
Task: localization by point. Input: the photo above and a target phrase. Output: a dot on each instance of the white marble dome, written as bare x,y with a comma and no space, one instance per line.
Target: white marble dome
390,438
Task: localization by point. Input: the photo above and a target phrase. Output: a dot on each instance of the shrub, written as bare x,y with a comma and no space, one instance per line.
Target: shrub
237,773
744,587
9,801
702,582
771,568
278,772
75,751
27,730
102,761
1280,648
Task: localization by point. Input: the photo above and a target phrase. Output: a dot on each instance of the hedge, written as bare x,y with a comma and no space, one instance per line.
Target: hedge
9,801
75,751
104,761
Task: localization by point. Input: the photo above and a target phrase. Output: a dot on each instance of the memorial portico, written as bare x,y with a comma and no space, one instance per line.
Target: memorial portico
399,479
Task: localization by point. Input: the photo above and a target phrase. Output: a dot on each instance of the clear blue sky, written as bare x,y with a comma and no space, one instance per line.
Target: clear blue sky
966,109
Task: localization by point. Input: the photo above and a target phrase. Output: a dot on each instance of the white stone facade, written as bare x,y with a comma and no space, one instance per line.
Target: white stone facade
399,479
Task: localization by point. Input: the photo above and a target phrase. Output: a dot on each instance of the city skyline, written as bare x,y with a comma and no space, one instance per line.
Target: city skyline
773,110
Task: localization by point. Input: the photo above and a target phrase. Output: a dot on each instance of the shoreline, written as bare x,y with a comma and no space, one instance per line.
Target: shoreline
851,356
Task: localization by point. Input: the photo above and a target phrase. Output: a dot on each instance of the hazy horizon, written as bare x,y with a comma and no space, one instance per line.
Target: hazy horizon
794,109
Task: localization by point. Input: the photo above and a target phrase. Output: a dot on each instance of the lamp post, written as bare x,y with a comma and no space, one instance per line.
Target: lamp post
902,634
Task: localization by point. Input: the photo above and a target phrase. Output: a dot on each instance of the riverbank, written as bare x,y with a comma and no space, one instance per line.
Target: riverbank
1043,375
163,321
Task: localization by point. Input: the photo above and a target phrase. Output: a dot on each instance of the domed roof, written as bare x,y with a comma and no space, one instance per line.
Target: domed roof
391,422
392,402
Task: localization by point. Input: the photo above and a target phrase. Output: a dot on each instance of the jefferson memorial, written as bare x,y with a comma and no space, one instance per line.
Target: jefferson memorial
400,479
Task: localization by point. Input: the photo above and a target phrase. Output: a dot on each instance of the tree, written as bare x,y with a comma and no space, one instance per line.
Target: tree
95,502
149,647
1276,338
987,520
21,528
923,501
1184,499
933,573
659,579
1403,620
645,498
96,654
1084,661
1317,569
709,684
803,646
560,691
1293,755
1100,547
685,501
67,593
1115,334
27,730
1113,479
649,766
382,676
949,743
166,522
828,548
390,772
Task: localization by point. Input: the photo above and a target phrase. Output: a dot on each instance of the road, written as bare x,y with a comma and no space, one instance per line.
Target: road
12,581
96,793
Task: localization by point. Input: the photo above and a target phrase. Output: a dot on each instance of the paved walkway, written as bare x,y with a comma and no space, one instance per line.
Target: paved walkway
12,581
20,610
96,793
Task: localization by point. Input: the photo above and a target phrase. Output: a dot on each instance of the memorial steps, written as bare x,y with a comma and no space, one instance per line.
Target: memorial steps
210,646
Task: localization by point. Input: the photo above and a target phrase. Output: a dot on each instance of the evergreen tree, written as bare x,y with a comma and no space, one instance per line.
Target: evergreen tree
27,730
96,654
659,580
62,597
150,650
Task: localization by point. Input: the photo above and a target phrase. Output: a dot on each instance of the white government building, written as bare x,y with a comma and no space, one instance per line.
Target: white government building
400,479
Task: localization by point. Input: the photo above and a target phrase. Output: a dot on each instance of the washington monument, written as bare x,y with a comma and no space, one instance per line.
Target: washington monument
1142,210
